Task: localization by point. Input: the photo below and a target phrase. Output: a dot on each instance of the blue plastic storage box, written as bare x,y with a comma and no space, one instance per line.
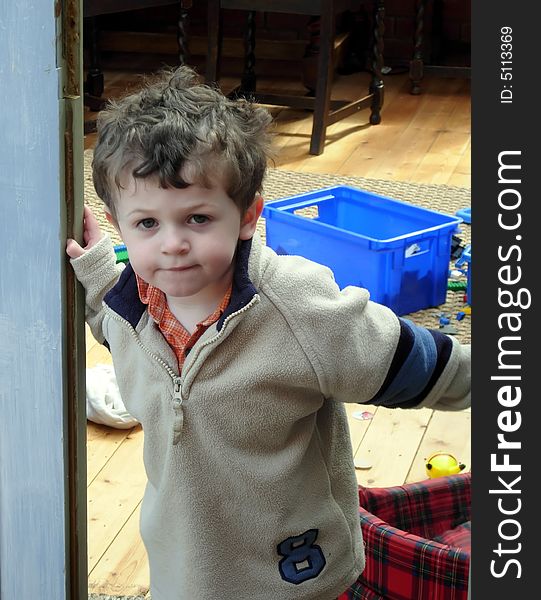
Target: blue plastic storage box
398,251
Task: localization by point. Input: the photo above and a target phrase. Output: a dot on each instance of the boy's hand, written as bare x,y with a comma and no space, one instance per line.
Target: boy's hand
91,234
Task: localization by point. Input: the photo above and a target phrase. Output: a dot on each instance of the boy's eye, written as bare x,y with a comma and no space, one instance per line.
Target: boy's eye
199,219
147,223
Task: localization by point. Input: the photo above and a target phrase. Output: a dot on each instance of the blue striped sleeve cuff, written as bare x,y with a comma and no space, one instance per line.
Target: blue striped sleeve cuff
419,360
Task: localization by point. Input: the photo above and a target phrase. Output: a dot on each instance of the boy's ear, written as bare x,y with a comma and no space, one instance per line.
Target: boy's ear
249,220
111,219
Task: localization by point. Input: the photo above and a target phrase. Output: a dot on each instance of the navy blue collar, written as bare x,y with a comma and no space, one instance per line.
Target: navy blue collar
243,289
124,299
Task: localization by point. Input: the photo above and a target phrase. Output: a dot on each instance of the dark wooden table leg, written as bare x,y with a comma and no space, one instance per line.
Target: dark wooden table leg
94,83
376,86
325,73
182,33
214,42
249,78
416,63
94,78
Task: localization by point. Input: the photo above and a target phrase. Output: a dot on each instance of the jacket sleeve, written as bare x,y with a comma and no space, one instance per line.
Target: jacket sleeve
362,352
428,368
98,272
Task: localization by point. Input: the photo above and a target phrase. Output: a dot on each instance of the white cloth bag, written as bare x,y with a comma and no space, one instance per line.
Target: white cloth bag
103,402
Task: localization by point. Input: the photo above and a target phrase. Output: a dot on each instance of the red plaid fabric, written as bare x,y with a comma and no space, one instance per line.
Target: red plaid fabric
459,537
403,562
176,335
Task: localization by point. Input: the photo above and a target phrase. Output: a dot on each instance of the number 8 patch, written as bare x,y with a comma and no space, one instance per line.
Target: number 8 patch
303,559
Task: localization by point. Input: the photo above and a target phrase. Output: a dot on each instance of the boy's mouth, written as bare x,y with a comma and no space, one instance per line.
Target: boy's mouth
180,269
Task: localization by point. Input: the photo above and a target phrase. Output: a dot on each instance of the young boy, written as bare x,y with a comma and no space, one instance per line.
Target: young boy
237,361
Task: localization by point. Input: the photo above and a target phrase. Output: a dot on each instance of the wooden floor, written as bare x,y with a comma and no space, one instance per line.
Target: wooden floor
424,139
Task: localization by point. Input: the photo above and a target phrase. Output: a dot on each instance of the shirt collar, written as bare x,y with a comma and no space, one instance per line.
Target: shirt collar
157,303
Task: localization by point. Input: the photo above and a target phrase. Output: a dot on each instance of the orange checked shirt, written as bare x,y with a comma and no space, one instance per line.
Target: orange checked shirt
176,335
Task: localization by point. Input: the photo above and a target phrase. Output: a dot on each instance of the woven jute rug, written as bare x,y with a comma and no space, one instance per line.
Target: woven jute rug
281,184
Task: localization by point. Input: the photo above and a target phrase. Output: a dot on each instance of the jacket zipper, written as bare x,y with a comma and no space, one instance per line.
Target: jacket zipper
178,420
253,301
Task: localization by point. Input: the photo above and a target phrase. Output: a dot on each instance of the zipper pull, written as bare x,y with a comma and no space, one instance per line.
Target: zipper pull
178,419
177,389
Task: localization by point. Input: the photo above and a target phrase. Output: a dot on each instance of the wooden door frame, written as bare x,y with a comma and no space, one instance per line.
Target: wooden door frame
42,395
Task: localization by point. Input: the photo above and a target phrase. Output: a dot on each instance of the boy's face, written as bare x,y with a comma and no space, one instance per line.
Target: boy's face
182,240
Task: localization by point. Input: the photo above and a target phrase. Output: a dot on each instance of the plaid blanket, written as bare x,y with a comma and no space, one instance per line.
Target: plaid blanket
401,526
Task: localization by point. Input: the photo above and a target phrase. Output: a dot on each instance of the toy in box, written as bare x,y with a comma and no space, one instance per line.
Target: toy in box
465,258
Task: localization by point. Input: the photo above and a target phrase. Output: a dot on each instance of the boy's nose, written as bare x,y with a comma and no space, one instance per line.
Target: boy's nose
175,243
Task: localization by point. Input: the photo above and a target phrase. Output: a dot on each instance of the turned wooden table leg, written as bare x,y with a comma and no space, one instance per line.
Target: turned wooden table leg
249,78
376,85
416,63
94,79
182,33
214,42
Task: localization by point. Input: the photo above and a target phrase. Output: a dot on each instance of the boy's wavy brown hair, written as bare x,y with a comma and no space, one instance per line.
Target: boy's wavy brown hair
176,128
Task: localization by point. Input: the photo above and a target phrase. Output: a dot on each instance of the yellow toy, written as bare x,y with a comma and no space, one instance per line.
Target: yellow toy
443,463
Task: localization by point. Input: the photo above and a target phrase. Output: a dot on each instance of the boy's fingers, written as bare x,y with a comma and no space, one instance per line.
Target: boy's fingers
88,214
92,231
73,249
91,223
